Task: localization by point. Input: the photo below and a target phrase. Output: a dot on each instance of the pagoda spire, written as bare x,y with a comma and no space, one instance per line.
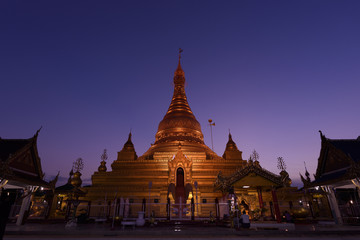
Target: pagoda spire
179,122
179,101
231,150
179,72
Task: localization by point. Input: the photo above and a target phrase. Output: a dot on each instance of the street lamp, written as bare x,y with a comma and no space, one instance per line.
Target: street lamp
197,203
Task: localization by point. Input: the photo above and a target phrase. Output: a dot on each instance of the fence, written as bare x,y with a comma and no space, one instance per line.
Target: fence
204,210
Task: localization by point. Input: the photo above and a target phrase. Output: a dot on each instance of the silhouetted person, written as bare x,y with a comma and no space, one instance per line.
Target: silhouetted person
287,216
245,221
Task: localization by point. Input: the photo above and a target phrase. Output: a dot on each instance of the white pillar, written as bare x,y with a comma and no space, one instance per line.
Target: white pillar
24,205
334,205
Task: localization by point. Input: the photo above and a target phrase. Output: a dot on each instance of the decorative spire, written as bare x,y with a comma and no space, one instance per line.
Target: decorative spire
231,145
307,174
104,157
179,72
37,132
78,165
128,151
71,173
129,145
179,122
231,150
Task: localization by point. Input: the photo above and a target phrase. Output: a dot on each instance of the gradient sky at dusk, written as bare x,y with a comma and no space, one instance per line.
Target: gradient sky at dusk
273,72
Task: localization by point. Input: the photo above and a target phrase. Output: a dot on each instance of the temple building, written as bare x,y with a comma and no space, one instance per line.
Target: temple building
20,175
337,178
179,169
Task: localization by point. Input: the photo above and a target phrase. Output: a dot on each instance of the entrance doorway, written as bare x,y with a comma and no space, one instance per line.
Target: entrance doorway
180,188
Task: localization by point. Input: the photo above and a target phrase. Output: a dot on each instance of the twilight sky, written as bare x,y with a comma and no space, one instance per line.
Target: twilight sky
273,72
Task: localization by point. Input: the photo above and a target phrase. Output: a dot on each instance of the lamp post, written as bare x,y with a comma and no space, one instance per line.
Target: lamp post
211,123
197,203
150,185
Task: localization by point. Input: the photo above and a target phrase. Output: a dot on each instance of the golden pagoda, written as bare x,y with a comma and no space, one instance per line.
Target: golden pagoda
179,168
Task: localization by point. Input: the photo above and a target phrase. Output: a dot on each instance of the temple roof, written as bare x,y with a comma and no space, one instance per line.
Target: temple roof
350,147
69,188
339,160
20,163
9,147
251,170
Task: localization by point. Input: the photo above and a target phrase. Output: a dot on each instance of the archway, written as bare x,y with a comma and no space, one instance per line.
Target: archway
180,189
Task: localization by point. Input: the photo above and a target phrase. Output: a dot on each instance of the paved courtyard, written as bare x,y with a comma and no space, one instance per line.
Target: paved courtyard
180,231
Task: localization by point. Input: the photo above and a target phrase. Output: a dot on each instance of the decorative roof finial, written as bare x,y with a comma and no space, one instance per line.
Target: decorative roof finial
179,71
37,132
104,157
230,137
307,174
180,51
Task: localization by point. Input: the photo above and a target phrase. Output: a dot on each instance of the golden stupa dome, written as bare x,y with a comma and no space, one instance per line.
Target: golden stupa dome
179,122
76,180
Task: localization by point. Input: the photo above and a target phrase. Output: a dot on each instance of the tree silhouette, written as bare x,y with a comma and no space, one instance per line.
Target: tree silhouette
104,156
254,156
281,164
78,165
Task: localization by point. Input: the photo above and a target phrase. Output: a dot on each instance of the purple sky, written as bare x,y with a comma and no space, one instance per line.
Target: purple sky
274,72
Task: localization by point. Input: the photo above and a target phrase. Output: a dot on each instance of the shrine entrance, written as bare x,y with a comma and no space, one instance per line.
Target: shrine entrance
180,188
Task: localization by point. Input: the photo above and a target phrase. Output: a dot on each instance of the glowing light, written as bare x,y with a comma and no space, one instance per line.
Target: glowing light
246,186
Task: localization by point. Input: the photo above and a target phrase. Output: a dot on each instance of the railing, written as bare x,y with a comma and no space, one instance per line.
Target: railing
208,210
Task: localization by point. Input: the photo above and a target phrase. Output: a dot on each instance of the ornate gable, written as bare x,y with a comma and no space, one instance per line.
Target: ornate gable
248,174
180,160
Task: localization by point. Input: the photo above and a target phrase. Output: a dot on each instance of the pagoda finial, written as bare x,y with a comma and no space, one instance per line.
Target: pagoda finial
104,157
37,132
307,174
230,137
179,71
179,122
